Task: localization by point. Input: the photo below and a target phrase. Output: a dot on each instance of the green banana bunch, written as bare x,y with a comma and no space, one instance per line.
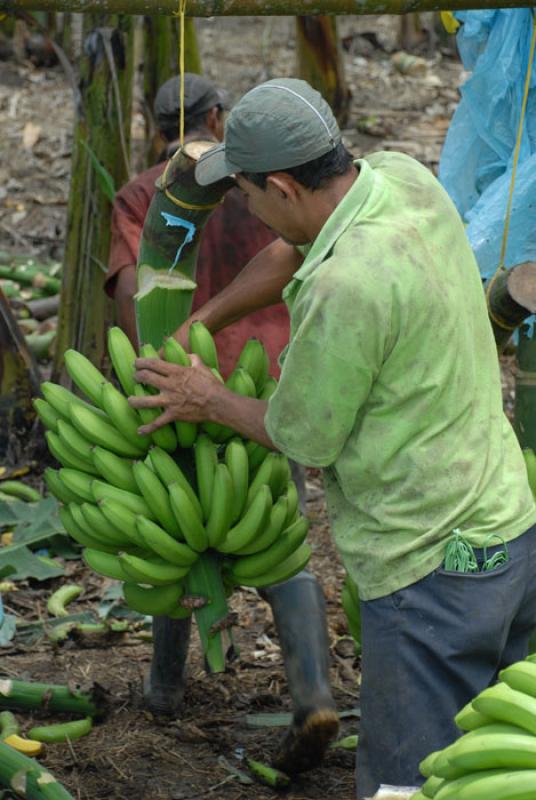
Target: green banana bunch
227,516
496,757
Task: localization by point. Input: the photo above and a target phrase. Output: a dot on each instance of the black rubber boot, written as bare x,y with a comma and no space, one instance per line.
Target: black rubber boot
164,687
299,613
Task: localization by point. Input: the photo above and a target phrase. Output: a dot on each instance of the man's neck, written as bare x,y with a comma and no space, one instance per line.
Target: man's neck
323,202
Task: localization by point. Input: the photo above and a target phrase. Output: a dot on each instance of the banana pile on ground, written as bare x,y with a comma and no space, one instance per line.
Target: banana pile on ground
496,758
169,532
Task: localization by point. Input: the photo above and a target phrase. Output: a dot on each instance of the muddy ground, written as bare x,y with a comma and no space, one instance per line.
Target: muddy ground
131,755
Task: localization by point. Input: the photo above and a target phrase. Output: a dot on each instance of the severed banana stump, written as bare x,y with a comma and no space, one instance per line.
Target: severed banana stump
512,299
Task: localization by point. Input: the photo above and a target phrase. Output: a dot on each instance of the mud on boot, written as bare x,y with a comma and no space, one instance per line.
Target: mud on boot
306,741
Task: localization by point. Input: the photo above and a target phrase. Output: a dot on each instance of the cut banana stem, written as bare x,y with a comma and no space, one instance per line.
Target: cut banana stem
26,695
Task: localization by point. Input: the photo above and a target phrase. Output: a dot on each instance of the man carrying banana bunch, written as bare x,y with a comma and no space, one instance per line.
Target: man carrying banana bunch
391,384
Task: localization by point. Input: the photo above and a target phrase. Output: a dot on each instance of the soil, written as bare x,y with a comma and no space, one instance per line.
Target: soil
130,754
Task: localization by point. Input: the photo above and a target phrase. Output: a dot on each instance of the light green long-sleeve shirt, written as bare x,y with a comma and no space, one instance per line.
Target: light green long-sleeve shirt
391,382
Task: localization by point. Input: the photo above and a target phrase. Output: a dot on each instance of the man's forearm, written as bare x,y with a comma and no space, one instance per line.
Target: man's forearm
245,415
258,285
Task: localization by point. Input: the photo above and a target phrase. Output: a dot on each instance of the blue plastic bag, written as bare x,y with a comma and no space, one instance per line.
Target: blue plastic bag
476,161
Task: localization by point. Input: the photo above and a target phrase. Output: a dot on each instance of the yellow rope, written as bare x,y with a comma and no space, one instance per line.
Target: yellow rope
501,268
181,13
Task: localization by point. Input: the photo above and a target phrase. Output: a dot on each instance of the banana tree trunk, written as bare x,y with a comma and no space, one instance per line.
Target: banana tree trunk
19,383
99,163
161,61
319,61
511,300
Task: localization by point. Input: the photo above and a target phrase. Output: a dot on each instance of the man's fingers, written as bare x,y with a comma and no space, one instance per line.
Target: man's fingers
150,378
148,401
163,419
196,361
155,365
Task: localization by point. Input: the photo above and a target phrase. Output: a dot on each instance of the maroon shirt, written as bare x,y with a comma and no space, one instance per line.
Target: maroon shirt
231,237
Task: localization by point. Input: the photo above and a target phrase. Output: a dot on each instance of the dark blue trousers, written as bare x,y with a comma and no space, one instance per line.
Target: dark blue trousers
431,648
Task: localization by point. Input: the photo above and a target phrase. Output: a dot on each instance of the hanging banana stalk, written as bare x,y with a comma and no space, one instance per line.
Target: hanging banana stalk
170,244
511,299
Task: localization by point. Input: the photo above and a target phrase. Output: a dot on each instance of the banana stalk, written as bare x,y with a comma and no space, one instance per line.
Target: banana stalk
170,243
24,695
205,580
26,778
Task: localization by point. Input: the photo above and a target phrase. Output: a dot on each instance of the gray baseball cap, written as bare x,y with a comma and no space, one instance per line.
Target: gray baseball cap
199,95
277,125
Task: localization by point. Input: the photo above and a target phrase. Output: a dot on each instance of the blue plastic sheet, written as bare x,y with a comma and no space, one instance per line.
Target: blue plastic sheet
476,162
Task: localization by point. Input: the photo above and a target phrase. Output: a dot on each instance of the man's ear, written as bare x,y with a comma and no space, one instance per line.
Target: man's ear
284,184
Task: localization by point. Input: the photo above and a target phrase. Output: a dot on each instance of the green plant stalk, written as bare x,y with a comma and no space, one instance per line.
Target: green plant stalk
8,725
24,695
26,778
205,580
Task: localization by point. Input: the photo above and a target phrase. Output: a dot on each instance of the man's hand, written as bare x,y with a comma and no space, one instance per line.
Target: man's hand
185,393
194,394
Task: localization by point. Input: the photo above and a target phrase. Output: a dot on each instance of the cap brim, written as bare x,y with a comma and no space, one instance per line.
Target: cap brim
213,166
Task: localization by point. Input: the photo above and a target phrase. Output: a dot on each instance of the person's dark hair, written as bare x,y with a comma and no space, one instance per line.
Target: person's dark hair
314,174
192,122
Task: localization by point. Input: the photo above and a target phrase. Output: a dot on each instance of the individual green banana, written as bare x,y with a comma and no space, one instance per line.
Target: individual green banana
61,400
202,344
268,389
219,519
122,355
114,469
58,489
275,526
163,437
251,524
101,527
353,614
162,544
156,601
20,490
76,444
281,475
8,725
236,458
282,572
256,455
505,784
504,704
156,497
77,482
48,416
254,360
64,455
81,522
98,431
431,787
155,572
86,376
186,515
135,503
76,533
206,460
426,767
123,416
62,597
520,676
123,518
240,382
467,719
494,751
174,353
105,564
260,563
62,732
169,472
267,473
268,775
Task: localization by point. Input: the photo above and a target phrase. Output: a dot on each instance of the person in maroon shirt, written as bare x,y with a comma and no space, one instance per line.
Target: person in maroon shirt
232,236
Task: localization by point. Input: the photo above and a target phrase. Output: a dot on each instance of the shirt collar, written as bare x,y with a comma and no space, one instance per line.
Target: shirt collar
343,215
